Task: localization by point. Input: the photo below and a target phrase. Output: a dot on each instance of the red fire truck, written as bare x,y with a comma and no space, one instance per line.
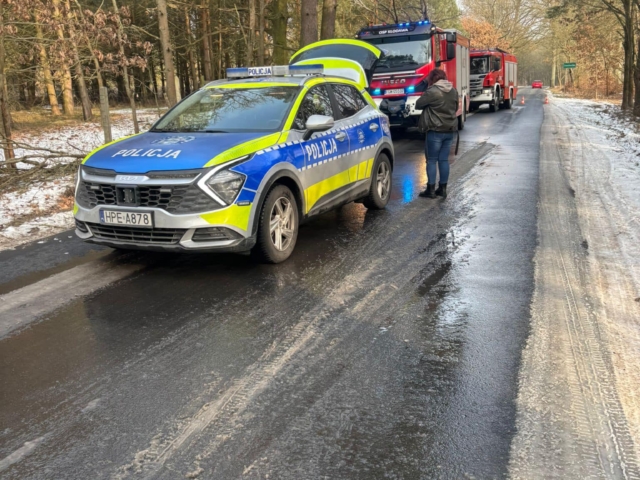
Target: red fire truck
494,74
411,50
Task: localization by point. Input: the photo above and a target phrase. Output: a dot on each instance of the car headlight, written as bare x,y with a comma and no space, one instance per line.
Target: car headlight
486,91
226,185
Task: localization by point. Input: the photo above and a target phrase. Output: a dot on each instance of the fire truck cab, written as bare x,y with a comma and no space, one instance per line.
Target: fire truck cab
410,51
494,74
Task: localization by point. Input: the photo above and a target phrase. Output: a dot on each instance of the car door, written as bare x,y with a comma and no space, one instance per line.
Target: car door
362,125
326,170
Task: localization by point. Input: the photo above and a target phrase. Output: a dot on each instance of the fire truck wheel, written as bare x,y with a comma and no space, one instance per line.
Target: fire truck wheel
507,104
493,106
462,119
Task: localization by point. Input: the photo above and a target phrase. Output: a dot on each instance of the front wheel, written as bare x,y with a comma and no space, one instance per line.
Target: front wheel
493,106
380,189
277,226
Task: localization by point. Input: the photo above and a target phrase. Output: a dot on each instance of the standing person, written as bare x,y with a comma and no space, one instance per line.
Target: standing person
439,105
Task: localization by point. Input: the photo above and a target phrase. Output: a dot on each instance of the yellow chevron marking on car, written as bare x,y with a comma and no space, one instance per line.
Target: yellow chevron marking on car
253,85
340,41
107,145
339,64
318,190
234,215
246,148
369,166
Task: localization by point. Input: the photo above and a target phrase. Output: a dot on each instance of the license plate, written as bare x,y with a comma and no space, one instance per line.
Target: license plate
395,91
129,219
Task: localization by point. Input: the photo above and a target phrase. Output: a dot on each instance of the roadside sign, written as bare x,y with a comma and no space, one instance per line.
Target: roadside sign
569,65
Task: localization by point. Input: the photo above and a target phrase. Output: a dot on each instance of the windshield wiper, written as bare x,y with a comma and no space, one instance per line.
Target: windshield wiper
164,130
214,131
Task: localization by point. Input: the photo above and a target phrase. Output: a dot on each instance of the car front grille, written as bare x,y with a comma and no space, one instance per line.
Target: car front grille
151,236
176,199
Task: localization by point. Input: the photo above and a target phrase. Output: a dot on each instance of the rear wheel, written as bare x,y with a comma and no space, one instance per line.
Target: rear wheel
277,226
507,104
380,189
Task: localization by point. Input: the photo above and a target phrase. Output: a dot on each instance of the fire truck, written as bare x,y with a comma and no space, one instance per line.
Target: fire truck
412,50
494,74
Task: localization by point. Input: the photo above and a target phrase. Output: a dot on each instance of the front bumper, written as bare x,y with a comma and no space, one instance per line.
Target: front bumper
482,98
170,232
401,111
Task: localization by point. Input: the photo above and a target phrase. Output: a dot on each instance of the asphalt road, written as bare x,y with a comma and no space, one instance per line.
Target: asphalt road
388,346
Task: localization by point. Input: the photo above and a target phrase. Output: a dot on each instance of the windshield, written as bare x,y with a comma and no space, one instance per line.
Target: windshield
403,52
479,65
223,110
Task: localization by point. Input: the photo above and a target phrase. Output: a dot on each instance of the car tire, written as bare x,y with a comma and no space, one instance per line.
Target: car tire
273,245
381,182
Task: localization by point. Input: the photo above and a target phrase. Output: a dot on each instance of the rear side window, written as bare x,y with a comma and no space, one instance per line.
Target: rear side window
315,102
349,99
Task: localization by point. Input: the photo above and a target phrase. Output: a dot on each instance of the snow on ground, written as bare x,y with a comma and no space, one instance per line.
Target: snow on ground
617,136
40,209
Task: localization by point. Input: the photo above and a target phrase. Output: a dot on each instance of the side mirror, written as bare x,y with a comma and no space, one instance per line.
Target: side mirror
317,123
451,37
451,51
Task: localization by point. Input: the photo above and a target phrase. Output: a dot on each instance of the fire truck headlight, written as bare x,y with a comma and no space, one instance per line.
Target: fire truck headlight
486,91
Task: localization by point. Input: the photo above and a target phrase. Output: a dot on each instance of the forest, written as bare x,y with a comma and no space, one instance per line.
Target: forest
56,54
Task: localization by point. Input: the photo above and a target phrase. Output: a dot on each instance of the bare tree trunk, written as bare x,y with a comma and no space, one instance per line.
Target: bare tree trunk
328,28
96,63
206,41
5,116
67,86
46,70
82,86
636,77
308,22
193,67
252,32
279,22
260,45
125,73
554,65
167,52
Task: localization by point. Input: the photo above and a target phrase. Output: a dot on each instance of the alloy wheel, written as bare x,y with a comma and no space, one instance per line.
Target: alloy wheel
383,180
282,224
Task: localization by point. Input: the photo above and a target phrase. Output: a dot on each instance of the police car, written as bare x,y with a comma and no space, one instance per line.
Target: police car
237,165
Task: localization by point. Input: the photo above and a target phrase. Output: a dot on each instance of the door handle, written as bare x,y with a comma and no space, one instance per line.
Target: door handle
373,127
341,136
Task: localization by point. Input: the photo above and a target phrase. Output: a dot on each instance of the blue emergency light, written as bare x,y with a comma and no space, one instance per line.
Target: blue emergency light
411,89
377,91
274,71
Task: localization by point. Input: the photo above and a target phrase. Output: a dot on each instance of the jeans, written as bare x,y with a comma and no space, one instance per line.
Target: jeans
437,149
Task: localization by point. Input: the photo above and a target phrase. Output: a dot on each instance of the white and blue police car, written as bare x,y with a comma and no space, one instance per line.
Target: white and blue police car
237,165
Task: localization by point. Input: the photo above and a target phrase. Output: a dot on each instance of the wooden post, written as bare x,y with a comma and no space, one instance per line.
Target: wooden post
104,114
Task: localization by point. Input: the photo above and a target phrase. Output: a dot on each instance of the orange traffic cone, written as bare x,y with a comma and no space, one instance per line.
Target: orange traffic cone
522,101
546,100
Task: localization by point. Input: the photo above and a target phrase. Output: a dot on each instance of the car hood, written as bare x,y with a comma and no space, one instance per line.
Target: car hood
176,151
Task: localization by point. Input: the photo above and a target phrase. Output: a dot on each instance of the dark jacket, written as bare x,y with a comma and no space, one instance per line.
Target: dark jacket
439,104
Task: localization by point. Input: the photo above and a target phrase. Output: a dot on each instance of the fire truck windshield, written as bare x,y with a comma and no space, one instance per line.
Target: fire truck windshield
403,52
479,65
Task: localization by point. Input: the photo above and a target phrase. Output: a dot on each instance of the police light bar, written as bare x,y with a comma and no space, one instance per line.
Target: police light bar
274,71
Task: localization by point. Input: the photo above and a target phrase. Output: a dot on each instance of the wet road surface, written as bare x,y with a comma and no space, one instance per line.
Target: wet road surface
388,346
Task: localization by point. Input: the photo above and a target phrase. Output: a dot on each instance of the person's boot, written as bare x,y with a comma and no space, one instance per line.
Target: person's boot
442,190
430,191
